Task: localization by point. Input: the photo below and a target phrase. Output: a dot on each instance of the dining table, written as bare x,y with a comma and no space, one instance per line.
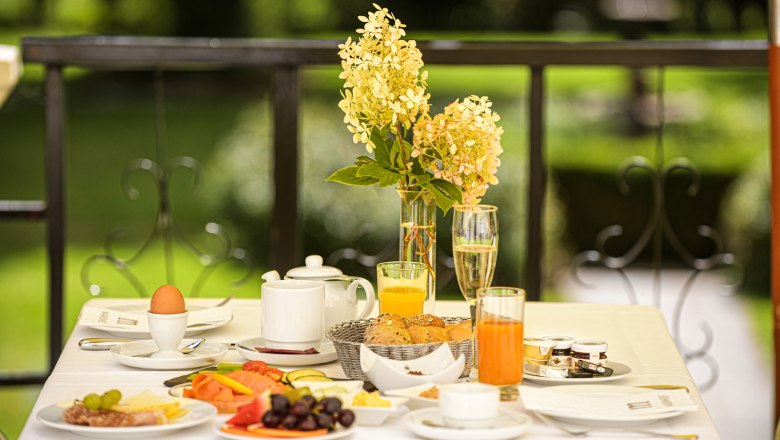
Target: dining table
637,335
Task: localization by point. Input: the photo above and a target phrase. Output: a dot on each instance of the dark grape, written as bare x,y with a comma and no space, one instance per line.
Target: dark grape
324,420
280,403
309,400
346,418
331,405
300,409
271,419
307,424
290,422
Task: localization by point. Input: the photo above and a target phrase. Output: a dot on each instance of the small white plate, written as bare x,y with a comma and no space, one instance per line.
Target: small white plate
376,415
130,333
207,354
508,425
413,394
619,372
199,412
605,391
341,432
327,353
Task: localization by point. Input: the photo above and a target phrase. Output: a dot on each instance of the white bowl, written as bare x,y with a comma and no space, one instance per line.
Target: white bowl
413,394
437,367
376,415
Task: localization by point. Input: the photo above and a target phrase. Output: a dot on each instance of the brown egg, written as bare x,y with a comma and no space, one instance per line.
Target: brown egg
167,300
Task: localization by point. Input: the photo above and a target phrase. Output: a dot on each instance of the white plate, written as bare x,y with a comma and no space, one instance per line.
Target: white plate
376,415
207,354
130,333
327,353
605,391
619,372
338,433
508,425
413,394
199,412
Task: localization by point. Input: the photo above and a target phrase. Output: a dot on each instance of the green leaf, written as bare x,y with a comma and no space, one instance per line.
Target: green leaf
381,148
376,171
446,193
348,176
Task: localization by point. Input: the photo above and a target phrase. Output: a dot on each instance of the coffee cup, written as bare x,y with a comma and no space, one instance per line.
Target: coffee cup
469,405
292,314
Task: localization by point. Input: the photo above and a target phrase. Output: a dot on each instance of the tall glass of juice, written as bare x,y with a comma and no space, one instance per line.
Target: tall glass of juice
500,317
402,287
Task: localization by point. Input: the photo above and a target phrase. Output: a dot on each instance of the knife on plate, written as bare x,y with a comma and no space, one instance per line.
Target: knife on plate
97,344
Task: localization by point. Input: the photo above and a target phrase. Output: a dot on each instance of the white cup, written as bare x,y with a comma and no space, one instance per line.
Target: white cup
469,405
167,331
292,314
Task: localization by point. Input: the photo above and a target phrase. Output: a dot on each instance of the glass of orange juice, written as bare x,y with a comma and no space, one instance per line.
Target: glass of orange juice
500,317
402,287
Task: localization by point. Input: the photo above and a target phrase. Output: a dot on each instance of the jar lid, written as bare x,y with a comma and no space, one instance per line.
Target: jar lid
561,342
589,346
313,270
538,342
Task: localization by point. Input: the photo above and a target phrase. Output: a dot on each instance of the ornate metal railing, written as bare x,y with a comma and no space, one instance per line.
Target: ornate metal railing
284,58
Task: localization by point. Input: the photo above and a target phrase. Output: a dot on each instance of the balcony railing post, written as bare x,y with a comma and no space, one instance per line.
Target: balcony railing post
536,186
285,228
55,190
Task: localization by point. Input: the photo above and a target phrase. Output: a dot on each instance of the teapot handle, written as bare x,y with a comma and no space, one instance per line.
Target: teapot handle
369,289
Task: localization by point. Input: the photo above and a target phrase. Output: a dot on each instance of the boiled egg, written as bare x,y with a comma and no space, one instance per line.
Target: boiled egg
167,300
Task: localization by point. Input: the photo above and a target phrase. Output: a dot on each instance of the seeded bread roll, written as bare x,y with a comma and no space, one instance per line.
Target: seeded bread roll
428,334
387,335
389,319
424,320
459,331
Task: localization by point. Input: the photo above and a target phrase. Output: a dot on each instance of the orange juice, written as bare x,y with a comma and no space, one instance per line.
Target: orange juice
500,349
402,300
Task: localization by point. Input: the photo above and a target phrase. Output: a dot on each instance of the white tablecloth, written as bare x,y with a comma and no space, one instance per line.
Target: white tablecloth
637,336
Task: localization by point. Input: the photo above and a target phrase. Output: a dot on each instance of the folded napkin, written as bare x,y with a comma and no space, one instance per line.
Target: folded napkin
607,404
91,316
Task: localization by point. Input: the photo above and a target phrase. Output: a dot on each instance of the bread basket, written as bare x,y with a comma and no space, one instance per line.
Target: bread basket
348,336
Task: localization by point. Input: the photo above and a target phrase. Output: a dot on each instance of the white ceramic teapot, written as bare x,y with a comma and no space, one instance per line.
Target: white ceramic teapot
340,290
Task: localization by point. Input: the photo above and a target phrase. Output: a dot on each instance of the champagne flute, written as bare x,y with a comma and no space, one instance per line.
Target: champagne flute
474,248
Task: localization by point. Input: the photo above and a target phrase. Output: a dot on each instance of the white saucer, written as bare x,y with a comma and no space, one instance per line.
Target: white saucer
508,425
199,412
619,372
207,354
606,391
327,353
131,333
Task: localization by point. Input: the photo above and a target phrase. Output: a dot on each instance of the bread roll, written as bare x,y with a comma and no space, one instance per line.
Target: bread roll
386,334
424,320
428,334
460,331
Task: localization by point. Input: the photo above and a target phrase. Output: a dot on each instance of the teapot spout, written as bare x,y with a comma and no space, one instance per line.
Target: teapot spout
271,275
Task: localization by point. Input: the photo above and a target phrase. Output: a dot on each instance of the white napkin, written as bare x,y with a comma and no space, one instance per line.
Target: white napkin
138,321
617,405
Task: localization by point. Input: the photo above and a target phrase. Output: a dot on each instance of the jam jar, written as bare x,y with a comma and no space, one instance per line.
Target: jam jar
537,351
561,354
592,351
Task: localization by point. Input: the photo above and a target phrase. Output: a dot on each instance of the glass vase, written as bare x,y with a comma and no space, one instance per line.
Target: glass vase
417,236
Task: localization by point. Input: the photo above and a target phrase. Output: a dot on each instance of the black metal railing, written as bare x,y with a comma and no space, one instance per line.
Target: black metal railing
285,58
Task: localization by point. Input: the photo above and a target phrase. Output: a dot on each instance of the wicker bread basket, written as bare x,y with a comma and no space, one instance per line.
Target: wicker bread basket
348,336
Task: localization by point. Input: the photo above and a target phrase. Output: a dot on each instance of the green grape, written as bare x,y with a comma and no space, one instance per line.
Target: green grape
108,400
116,395
92,401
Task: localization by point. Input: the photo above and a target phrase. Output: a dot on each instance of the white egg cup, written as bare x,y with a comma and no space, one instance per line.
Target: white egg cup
167,331
469,405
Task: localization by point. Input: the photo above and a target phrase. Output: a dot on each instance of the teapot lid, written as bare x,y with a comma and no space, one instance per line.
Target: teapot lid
314,269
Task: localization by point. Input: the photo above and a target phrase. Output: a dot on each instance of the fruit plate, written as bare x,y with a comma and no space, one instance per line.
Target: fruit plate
338,433
199,412
327,353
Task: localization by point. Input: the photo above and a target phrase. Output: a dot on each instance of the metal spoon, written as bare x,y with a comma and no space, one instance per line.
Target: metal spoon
585,432
187,349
